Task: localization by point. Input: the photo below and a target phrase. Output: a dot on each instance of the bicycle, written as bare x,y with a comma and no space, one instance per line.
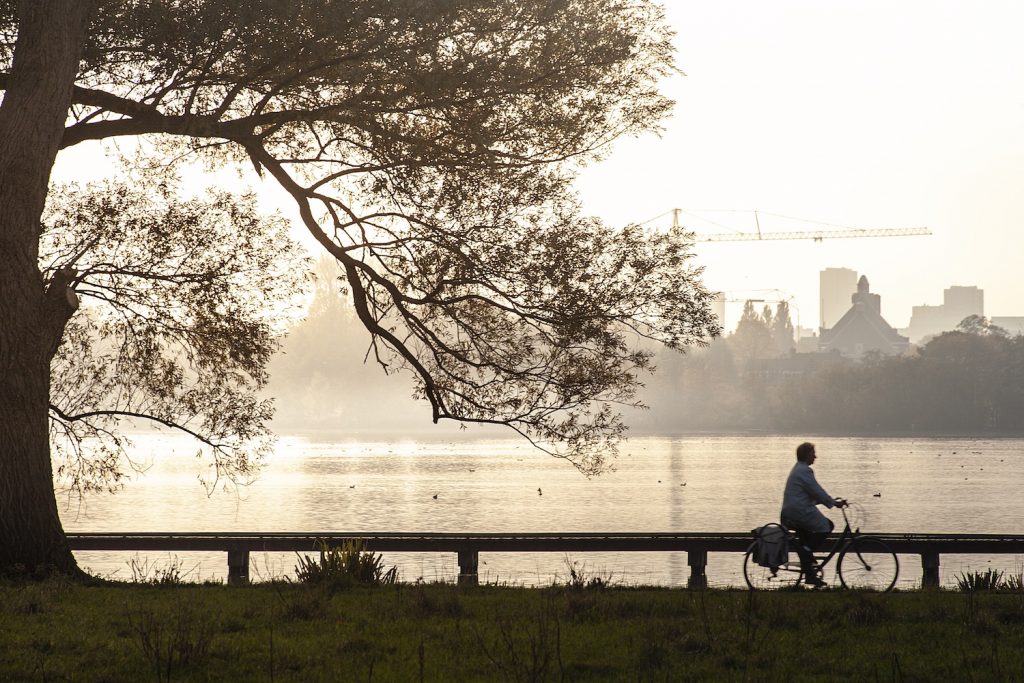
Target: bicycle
864,563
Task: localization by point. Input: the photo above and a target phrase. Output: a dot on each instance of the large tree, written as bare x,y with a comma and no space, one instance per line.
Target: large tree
428,145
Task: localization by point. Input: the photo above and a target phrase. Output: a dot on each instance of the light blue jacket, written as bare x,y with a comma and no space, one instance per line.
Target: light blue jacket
802,496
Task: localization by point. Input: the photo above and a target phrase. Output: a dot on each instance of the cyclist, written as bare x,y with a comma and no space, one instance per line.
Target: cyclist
800,511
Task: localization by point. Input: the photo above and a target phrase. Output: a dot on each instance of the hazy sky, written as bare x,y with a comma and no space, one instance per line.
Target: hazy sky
865,114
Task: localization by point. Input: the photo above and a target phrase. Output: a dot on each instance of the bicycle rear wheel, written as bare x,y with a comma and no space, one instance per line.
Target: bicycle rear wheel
867,563
786,577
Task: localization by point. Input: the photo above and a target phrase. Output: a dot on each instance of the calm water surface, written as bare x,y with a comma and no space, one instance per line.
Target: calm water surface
660,484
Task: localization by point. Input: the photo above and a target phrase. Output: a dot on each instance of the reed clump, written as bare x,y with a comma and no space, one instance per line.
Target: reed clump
350,563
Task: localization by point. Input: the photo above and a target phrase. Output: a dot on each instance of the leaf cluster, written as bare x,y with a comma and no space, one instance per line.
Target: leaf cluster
183,304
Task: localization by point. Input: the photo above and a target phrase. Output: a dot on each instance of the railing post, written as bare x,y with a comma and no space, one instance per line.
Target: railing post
698,561
469,562
238,566
930,570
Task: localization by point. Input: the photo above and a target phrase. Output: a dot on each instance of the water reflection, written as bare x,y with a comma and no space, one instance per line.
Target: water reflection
731,484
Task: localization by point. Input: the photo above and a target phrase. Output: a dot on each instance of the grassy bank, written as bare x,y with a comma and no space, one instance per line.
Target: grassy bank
53,631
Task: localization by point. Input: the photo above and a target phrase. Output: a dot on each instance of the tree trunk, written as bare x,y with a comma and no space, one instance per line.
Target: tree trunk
51,34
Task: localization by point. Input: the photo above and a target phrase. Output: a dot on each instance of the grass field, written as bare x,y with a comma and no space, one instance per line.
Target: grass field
58,631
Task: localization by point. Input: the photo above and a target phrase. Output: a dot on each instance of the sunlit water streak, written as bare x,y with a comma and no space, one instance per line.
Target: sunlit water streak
660,484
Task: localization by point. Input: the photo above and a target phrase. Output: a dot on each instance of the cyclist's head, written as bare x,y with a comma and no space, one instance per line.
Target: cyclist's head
805,452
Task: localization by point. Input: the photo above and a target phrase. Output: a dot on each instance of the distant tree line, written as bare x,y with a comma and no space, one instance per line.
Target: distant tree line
969,381
326,377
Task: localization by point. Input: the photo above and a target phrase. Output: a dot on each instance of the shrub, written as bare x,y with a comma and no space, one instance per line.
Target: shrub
146,572
579,579
351,563
988,580
1014,582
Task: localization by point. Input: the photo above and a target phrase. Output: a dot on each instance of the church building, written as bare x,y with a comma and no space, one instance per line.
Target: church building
863,329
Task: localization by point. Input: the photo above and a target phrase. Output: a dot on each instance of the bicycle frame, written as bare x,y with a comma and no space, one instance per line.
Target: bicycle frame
847,535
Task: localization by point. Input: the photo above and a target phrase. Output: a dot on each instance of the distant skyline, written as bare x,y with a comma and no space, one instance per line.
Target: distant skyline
868,115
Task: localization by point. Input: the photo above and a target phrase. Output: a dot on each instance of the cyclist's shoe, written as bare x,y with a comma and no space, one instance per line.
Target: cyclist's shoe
815,582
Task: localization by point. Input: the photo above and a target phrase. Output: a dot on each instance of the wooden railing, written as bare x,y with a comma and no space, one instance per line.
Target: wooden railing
468,546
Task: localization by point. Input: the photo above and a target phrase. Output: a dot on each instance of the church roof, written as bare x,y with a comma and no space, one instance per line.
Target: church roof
862,328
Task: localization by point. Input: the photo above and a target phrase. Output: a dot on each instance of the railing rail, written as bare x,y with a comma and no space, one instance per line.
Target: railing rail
468,546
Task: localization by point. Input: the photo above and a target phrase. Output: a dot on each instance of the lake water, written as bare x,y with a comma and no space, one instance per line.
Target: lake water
683,484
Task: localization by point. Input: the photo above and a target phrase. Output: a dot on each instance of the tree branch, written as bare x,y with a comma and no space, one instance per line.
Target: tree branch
143,416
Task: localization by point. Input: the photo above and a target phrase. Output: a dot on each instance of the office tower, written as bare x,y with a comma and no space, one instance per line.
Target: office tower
957,304
961,302
836,289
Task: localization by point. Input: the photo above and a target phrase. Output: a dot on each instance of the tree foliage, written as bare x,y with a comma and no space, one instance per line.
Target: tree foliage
430,148
763,336
753,336
980,325
782,329
183,304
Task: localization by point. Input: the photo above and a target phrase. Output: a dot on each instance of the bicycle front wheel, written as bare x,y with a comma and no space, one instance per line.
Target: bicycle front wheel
867,563
786,577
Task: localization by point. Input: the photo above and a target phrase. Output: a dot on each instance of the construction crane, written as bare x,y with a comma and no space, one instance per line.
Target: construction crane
832,231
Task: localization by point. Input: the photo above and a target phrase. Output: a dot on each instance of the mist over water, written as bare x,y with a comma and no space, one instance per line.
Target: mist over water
688,484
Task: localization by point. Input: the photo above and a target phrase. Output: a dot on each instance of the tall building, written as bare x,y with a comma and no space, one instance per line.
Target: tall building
835,287
957,304
961,302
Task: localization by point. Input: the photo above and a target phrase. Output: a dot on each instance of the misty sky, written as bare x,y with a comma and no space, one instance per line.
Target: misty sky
863,114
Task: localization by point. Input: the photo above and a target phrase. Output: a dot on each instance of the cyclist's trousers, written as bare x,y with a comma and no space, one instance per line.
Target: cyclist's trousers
807,543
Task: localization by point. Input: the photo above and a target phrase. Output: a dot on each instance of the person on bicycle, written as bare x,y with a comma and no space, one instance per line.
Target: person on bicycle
800,512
